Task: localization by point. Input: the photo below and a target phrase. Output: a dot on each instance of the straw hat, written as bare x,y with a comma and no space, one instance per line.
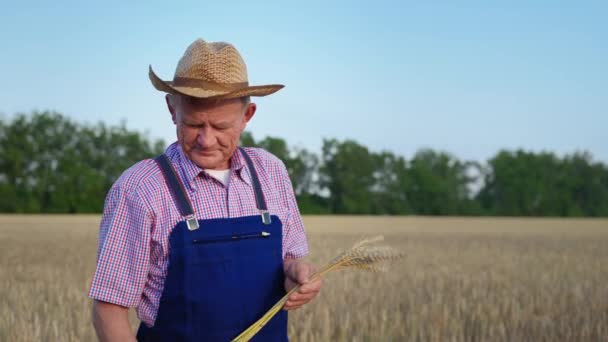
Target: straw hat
211,70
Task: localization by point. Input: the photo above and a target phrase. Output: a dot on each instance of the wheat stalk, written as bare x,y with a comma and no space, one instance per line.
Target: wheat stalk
362,255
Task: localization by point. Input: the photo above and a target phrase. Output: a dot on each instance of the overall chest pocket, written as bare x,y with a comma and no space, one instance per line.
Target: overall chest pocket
221,248
217,275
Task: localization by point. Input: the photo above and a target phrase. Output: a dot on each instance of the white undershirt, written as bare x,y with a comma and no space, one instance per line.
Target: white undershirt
220,175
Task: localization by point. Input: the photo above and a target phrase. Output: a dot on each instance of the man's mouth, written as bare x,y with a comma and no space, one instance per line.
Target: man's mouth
205,152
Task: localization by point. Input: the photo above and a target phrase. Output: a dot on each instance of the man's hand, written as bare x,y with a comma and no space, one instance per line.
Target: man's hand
297,272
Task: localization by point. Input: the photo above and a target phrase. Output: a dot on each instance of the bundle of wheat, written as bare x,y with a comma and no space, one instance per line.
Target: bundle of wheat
363,255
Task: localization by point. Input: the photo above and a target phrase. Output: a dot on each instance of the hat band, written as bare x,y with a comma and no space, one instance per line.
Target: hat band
198,83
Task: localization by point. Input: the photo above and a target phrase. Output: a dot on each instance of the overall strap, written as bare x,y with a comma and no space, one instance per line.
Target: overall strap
257,189
177,191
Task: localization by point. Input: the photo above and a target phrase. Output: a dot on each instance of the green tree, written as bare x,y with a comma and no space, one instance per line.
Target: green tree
587,186
247,139
519,183
541,184
50,164
389,192
347,172
438,184
300,163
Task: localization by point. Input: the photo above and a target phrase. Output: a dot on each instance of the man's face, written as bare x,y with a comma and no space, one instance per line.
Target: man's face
209,132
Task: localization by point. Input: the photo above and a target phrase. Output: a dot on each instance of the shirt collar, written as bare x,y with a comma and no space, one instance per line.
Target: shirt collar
237,166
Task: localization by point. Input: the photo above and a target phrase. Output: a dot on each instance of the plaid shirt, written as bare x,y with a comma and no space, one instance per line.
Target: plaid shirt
139,214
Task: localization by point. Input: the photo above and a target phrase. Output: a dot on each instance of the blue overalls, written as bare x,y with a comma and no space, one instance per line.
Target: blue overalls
223,274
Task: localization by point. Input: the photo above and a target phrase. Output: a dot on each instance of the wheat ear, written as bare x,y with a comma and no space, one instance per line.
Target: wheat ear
363,255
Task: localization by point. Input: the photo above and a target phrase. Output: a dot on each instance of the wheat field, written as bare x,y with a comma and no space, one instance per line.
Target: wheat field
463,279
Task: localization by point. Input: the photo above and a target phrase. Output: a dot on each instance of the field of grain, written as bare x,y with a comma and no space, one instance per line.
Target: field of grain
462,280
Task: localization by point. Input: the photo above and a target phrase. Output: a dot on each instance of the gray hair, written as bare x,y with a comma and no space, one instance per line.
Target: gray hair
245,100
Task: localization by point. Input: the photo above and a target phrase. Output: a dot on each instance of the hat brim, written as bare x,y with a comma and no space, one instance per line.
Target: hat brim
168,87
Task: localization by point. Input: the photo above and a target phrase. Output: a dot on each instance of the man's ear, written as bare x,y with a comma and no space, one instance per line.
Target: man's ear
251,108
171,99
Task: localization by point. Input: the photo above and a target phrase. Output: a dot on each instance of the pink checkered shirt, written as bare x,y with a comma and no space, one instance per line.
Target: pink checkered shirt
140,213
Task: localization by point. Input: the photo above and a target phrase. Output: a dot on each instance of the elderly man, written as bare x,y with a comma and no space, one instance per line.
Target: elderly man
205,238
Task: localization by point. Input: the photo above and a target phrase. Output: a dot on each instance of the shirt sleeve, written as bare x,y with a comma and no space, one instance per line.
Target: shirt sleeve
295,244
124,248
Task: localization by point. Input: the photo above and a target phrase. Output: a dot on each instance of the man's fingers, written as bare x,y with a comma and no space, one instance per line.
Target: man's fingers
301,296
308,290
305,294
299,274
292,303
311,287
296,300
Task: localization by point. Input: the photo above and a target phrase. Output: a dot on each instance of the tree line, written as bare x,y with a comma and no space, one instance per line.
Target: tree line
51,164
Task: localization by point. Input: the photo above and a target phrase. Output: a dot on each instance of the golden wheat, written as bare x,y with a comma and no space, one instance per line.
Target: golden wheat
464,279
363,255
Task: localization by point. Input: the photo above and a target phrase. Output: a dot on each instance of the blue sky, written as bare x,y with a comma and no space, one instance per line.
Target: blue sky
467,77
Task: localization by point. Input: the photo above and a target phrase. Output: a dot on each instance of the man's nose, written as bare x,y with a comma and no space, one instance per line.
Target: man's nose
206,137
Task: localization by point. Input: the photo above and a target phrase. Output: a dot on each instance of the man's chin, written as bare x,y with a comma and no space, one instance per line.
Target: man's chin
209,161
206,162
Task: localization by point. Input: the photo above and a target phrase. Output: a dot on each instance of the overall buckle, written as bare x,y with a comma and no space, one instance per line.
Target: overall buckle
265,216
191,222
